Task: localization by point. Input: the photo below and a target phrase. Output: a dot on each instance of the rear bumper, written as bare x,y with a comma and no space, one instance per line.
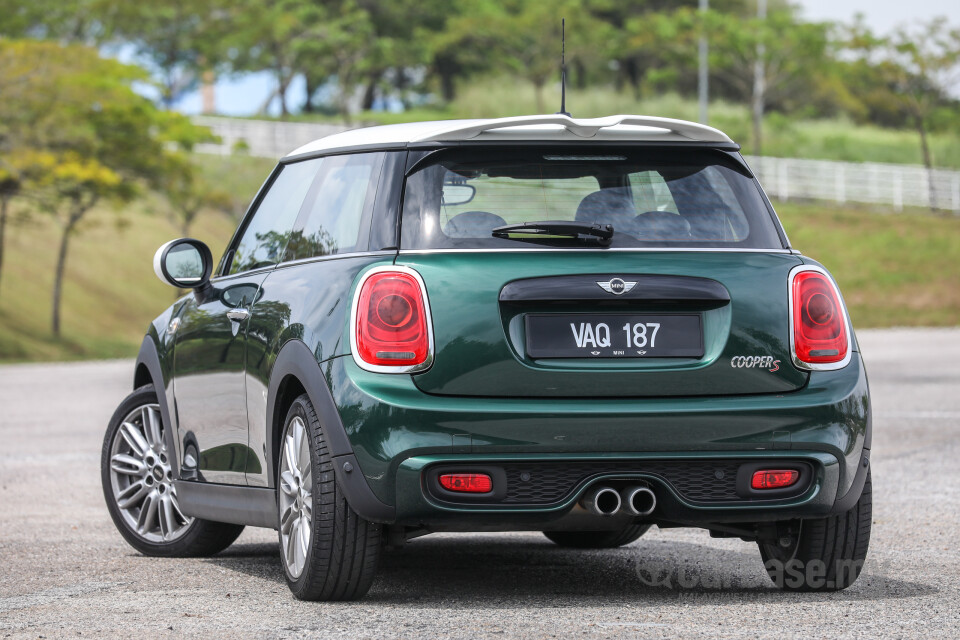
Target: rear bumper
397,432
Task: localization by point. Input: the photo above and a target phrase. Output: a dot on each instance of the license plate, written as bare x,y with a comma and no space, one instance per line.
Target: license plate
614,336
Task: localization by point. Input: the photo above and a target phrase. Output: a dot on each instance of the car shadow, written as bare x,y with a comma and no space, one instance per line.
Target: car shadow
504,571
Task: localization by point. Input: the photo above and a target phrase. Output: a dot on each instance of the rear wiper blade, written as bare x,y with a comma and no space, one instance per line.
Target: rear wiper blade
562,228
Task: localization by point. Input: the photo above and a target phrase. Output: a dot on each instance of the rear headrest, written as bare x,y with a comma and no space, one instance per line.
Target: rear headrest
607,206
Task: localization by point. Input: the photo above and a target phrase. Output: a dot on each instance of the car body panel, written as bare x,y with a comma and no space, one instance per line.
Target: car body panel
479,340
388,419
291,306
208,378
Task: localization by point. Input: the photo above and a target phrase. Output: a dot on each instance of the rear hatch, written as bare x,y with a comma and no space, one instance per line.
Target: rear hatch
481,303
598,271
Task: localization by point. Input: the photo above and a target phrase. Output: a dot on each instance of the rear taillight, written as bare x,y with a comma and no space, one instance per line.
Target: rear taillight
467,482
774,478
390,331
819,322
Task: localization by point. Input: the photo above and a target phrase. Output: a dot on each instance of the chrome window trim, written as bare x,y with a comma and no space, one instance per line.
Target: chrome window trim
817,366
336,256
615,249
379,368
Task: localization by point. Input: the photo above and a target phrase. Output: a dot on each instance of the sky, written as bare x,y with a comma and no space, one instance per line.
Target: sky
881,15
244,95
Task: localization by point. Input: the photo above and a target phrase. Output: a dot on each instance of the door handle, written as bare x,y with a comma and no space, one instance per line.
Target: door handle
238,314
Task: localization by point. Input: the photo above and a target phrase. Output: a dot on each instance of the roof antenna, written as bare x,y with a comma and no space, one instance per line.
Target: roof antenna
563,68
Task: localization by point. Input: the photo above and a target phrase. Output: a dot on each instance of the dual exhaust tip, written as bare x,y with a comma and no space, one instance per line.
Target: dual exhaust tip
607,501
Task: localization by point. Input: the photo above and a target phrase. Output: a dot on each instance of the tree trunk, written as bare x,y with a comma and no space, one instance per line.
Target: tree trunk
4,201
581,74
538,94
632,71
308,103
758,104
447,86
58,277
80,208
343,104
370,93
282,84
927,161
759,86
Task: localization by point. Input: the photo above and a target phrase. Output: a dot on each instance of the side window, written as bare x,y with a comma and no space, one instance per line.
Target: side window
336,217
268,232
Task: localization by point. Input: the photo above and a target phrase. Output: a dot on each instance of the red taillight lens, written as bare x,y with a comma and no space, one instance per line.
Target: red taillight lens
392,328
774,479
819,324
466,482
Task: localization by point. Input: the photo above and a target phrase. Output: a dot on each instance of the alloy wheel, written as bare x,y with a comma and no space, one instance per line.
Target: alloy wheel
142,479
296,497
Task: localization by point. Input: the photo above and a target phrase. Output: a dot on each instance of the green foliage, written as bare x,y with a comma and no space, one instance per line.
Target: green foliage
180,40
75,133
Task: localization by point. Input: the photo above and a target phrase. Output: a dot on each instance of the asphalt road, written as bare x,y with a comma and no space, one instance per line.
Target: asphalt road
65,571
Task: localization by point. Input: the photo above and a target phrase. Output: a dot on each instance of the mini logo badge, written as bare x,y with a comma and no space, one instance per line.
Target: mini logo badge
616,286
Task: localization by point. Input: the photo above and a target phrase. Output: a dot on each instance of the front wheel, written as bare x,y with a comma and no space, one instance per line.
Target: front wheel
137,478
327,550
823,554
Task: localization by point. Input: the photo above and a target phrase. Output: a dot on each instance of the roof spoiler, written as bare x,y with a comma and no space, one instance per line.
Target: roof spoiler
583,127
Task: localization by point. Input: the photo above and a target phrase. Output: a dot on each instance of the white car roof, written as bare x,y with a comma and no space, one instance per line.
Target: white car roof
552,128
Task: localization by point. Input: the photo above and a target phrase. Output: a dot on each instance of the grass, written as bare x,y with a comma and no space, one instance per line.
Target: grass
895,269
826,139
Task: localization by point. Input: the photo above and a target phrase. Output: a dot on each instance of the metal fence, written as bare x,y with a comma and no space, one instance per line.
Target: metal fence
896,185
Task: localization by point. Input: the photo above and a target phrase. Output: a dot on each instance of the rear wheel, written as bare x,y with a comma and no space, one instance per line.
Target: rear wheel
328,552
597,539
137,478
824,554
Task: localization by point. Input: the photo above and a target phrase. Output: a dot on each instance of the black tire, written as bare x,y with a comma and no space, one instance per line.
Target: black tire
344,549
828,553
597,539
199,538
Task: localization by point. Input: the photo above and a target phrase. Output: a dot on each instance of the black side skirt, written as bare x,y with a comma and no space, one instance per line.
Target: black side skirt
251,506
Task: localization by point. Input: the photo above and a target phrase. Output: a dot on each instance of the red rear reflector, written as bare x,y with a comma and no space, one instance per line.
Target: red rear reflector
774,479
391,321
467,482
819,323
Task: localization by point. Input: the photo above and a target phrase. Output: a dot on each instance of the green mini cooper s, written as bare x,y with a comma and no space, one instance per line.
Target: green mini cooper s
583,327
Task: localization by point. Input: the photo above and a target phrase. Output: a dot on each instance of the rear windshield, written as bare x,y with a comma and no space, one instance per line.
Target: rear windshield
652,197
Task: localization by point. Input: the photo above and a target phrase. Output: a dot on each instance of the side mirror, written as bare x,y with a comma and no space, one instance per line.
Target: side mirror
185,263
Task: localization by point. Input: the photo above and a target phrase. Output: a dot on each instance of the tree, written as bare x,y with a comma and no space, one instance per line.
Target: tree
791,54
343,46
290,37
522,36
82,134
177,40
918,68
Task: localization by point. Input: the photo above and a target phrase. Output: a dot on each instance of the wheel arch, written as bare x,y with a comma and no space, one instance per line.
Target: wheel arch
297,368
150,370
